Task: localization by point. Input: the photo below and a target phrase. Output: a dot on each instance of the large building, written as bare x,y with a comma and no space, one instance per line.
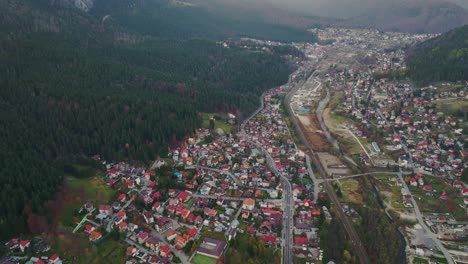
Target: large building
212,248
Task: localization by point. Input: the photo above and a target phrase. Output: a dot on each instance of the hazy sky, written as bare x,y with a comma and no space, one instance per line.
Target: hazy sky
341,8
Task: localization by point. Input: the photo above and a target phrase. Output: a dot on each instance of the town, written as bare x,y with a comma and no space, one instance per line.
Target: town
257,178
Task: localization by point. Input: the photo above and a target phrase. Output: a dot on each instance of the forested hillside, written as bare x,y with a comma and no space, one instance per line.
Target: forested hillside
444,58
72,85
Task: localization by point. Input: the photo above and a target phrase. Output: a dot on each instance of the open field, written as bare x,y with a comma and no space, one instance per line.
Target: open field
200,259
76,248
80,191
94,188
221,122
390,192
350,191
333,120
333,165
310,125
450,107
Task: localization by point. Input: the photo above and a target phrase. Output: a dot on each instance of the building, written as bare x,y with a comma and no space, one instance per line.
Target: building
248,204
212,248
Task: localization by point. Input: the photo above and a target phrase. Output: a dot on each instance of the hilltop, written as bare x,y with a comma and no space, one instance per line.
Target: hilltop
444,58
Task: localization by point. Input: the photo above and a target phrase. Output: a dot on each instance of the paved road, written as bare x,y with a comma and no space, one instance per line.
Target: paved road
85,218
233,198
427,231
234,178
288,205
362,174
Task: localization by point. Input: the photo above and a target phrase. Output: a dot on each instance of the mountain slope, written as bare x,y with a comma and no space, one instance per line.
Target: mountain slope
182,20
73,85
444,58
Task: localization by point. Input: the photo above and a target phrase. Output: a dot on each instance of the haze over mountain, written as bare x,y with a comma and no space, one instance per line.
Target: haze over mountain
433,16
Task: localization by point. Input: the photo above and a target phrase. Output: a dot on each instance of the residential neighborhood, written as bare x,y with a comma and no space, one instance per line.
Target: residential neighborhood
259,179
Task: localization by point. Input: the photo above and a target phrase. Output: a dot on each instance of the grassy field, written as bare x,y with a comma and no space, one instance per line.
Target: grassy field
95,189
221,123
200,259
350,188
76,248
351,146
420,261
110,251
450,107
82,190
390,193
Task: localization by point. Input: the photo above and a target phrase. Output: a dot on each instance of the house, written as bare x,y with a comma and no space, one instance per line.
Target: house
269,239
413,182
89,229
142,237
88,206
457,184
181,241
54,258
212,248
95,235
464,191
156,206
245,214
148,216
171,235
265,227
122,226
157,195
428,188
248,204
165,251
163,223
131,184
152,243
131,251
183,196
24,244
198,220
192,232
171,192
300,241
122,197
105,209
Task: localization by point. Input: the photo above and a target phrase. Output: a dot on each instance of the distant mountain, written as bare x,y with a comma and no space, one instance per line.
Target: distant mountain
415,16
444,58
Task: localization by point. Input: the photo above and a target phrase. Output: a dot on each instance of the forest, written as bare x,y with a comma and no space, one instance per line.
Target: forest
70,89
443,58
164,19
